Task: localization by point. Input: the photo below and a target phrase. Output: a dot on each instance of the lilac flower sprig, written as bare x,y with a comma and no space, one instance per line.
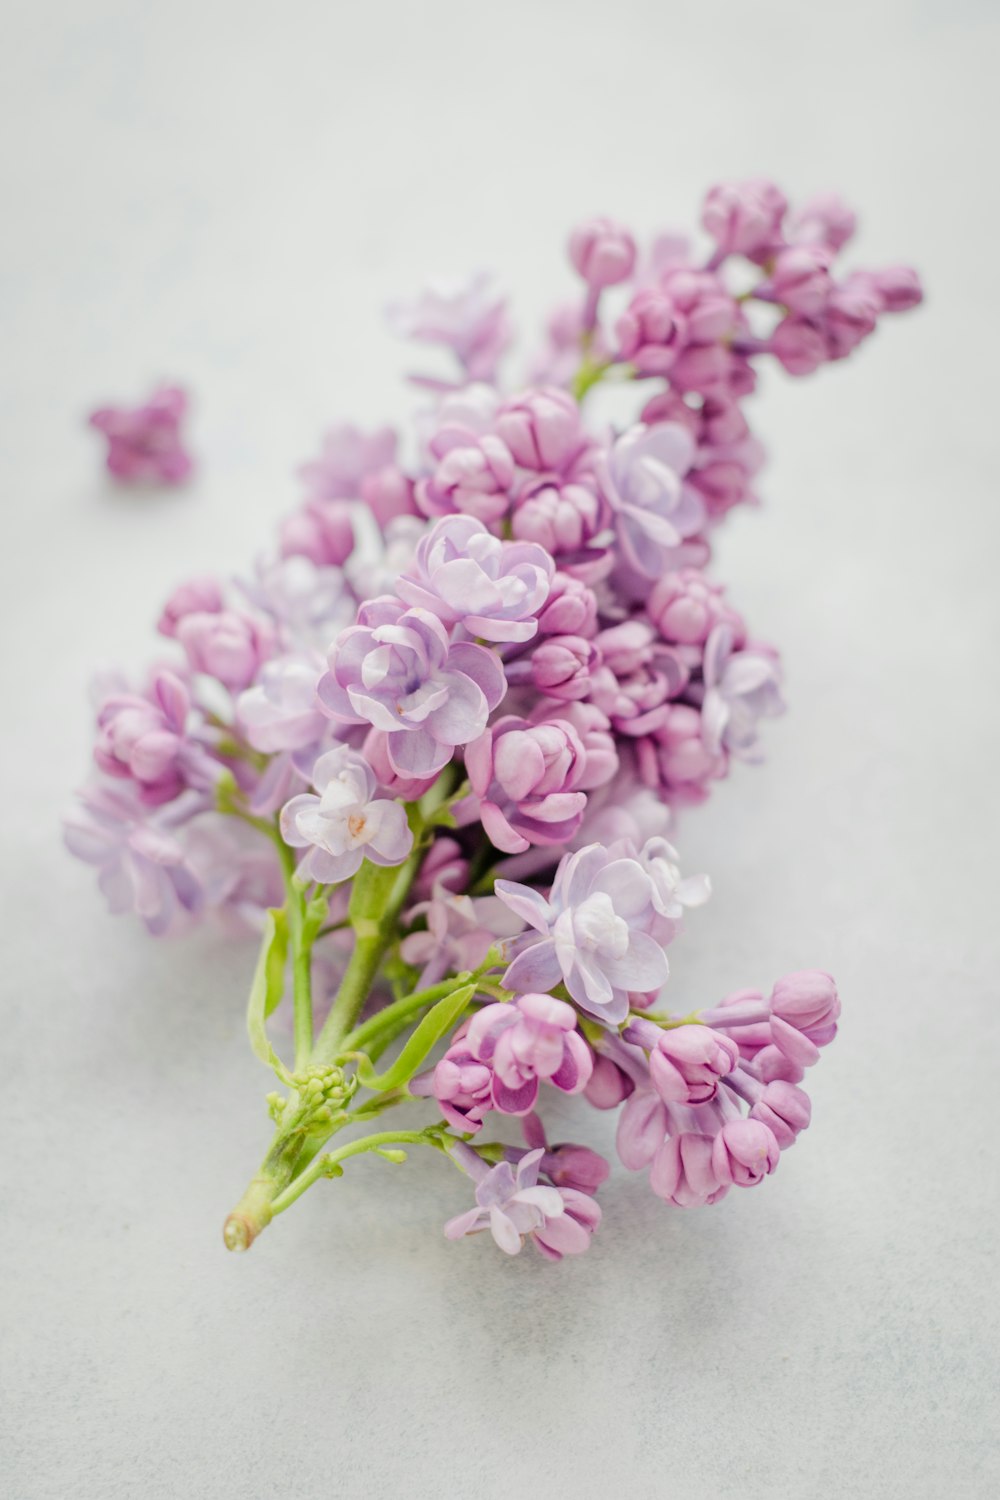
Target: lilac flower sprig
430,749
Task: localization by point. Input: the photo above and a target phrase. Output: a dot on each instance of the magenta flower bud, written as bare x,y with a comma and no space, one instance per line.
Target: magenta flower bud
642,1129
898,287
609,1085
198,596
228,645
807,1000
388,493
462,1086
534,1039
142,739
561,666
376,753
744,1152
145,442
801,279
526,776
602,251
687,1062
593,729
684,1174
560,517
686,606
542,429
784,1109
678,756
850,315
571,608
706,369
773,1065
651,331
571,1166
824,220
744,218
321,530
708,309
800,346
474,476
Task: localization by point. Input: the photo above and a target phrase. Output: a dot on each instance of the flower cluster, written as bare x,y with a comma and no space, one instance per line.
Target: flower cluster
431,748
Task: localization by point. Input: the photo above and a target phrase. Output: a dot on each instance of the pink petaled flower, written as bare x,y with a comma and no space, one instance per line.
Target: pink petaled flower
467,317
594,933
602,251
197,596
744,218
462,1086
741,686
461,930
513,1207
801,280
593,729
322,531
527,778
571,608
542,429
143,739
141,865
463,573
145,443
784,1109
642,479
474,476
562,518
686,606
348,455
799,345
676,759
824,220
684,1172
281,711
686,1063
345,823
566,1165
744,1152
530,1041
397,670
228,645
708,310
651,332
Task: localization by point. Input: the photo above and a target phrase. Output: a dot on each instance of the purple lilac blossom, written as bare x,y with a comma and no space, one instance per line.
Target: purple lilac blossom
513,1207
345,823
462,573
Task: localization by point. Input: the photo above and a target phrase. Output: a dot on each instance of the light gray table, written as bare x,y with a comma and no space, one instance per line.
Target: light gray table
227,194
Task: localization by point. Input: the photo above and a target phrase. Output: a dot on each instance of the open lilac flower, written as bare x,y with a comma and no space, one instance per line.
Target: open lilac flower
526,777
740,688
671,891
146,442
642,479
513,1207
467,317
397,671
534,1039
348,455
462,572
345,823
595,933
142,866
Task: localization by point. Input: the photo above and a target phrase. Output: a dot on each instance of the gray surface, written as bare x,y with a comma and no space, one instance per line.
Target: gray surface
228,193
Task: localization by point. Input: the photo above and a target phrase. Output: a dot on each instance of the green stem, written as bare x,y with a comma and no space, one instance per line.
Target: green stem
321,1166
361,1038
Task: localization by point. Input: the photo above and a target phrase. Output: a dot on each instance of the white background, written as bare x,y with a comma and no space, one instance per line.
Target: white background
227,194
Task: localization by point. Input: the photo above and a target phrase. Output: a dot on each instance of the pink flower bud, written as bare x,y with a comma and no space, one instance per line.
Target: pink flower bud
609,1086
388,493
687,1062
686,606
801,278
784,1109
825,220
321,530
602,251
561,666
229,646
800,346
744,1152
684,1172
571,608
651,331
808,1000
195,596
744,218
899,287
542,429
